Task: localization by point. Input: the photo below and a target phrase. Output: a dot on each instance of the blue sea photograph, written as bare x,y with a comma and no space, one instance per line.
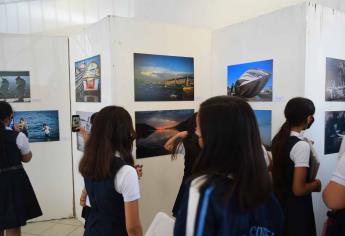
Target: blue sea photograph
39,126
163,78
264,119
15,86
252,81
154,128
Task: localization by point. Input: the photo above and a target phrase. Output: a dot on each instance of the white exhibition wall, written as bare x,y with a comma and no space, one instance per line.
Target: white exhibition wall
93,41
298,39
325,38
116,39
50,170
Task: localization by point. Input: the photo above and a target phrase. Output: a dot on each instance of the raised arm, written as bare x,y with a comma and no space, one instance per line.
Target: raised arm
172,142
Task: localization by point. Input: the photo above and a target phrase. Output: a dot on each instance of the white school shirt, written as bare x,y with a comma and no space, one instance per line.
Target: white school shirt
22,143
339,173
300,152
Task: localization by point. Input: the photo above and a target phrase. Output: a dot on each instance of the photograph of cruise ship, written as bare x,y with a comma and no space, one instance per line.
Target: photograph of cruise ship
88,80
15,86
264,119
163,78
335,79
154,128
252,81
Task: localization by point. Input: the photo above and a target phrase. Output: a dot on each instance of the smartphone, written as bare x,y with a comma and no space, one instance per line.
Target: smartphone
75,123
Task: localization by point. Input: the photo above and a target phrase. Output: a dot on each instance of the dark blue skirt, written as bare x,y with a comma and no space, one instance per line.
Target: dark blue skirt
18,202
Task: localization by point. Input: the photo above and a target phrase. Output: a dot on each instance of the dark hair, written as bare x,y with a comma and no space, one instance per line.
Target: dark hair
5,113
296,113
232,147
93,117
191,140
111,132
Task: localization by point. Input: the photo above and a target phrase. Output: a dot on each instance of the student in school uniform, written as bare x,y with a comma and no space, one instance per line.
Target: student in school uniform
230,192
186,143
111,181
292,167
334,198
18,201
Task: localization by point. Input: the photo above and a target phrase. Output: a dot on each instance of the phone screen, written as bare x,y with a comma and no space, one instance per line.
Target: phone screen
75,123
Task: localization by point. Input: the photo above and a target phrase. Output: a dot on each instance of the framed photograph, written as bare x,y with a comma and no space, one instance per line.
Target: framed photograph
252,81
85,122
334,131
88,79
15,86
154,128
264,119
38,126
335,79
163,78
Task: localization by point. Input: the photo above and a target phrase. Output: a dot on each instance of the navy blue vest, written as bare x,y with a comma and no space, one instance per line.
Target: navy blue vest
107,214
298,210
13,155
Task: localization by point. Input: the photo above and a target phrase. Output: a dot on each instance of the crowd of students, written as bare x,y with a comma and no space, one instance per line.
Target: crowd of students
231,184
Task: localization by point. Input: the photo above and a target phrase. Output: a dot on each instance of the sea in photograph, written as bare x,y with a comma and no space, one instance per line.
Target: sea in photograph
264,119
35,121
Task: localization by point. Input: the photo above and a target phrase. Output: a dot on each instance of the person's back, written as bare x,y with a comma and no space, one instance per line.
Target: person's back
231,191
107,209
224,216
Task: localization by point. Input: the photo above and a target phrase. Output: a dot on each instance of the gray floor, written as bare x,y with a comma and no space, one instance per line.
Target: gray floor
70,227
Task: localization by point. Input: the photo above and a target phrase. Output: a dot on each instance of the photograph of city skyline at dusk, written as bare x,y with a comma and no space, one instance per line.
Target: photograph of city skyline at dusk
163,78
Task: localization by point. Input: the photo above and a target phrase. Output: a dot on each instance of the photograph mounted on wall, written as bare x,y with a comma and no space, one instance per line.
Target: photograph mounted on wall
85,122
88,80
15,86
334,130
335,79
264,119
38,126
163,78
252,81
154,128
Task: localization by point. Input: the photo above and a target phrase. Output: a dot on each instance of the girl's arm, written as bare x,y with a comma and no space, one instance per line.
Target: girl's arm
300,187
172,142
133,224
83,196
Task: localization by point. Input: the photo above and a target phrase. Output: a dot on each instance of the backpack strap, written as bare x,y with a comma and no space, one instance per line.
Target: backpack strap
194,202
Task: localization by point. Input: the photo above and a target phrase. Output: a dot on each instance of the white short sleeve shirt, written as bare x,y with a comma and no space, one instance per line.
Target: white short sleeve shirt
339,173
127,183
300,152
22,143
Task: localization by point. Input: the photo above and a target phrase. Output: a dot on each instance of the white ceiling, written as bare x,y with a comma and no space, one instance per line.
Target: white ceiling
207,13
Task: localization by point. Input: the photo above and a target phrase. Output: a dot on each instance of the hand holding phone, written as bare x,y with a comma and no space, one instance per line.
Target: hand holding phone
75,123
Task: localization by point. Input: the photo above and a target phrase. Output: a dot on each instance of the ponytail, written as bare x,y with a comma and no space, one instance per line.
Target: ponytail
279,162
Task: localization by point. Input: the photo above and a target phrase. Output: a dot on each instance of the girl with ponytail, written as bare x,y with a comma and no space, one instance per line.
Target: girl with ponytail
18,202
291,168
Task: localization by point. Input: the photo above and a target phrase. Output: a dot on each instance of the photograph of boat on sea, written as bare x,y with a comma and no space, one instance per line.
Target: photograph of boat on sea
88,80
163,78
154,128
38,126
252,81
264,119
15,86
335,79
